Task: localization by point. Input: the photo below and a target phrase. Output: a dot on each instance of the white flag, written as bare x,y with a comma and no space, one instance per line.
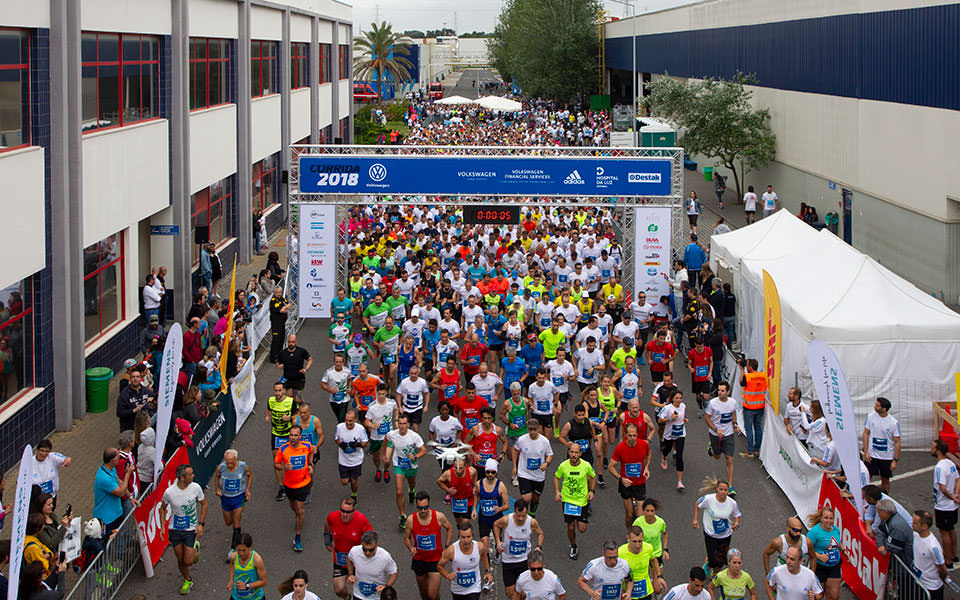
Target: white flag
166,390
21,508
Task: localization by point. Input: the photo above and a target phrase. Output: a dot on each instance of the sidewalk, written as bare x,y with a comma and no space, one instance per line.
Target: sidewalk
85,442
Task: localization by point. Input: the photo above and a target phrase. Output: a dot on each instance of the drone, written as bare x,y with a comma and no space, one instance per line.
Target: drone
448,454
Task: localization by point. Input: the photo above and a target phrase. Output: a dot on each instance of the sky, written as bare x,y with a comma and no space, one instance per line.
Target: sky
476,15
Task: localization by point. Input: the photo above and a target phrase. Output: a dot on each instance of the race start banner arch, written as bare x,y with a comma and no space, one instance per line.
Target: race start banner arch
642,187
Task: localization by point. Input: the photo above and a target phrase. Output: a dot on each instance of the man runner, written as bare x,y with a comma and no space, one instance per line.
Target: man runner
531,457
427,534
514,536
404,447
578,480
342,530
295,461
186,527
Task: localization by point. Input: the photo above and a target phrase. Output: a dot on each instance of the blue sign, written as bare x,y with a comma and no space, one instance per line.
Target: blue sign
492,175
164,230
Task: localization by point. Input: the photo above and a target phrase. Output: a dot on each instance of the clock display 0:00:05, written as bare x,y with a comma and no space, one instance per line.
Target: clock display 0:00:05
478,214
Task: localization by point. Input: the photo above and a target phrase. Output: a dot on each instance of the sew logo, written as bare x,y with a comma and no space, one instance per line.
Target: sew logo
316,262
574,179
643,177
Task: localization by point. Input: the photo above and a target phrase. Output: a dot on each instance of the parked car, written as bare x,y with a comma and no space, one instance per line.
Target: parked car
364,92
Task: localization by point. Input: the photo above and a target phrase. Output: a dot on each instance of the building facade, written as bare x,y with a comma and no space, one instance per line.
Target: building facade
129,131
863,96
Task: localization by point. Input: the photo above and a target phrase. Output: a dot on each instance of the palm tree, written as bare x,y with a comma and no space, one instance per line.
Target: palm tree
381,51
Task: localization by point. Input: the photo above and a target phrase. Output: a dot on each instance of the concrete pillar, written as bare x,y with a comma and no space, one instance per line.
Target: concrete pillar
180,276
244,141
349,137
66,215
335,88
314,80
285,141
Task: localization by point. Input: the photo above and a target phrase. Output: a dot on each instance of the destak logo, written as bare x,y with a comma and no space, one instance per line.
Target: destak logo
574,179
643,177
377,172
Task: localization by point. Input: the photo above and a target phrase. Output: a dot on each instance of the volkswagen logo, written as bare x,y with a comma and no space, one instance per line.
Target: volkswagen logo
378,172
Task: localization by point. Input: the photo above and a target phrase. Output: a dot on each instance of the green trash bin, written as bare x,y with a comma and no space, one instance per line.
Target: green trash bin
98,389
708,173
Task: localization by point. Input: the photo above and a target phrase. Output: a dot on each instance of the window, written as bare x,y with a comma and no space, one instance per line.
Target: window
14,89
344,61
326,51
263,68
209,72
265,183
212,207
345,130
103,285
326,135
16,339
299,62
121,76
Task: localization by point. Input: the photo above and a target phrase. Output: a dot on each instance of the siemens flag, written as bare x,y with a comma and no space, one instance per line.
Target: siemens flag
488,175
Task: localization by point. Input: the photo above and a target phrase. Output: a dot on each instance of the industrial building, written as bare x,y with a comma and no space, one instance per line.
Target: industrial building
863,97
129,131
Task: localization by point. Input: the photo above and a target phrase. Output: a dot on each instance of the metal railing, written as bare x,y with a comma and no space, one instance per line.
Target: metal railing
902,582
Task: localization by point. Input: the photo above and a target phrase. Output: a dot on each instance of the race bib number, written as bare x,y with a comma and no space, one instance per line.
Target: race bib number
181,522
470,422
450,391
488,507
466,578
427,542
880,444
572,510
46,487
349,450
279,441
585,373
610,591
475,360
404,463
389,359
383,428
517,547
557,381
231,487
412,400
337,397
657,356
366,400
633,470
629,393
639,590
340,558
366,588
584,445
833,555
720,526
605,273
339,346
676,430
533,464
298,462
543,406
544,321
702,370
461,505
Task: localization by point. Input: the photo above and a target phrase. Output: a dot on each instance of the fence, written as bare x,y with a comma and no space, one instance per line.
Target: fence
902,584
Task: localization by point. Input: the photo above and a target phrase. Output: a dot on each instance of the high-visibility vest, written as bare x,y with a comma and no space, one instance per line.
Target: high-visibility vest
754,393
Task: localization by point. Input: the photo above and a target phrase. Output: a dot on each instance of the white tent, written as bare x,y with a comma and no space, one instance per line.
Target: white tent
892,339
454,100
499,103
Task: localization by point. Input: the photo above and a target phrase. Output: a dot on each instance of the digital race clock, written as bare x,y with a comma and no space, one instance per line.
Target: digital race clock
491,214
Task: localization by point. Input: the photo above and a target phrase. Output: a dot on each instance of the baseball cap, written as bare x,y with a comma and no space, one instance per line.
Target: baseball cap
129,363
531,337
358,337
611,297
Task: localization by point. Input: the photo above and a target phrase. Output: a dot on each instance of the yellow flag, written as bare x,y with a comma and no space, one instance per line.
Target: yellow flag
226,336
956,377
772,339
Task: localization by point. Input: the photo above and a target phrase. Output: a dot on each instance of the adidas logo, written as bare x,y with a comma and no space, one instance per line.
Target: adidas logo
574,179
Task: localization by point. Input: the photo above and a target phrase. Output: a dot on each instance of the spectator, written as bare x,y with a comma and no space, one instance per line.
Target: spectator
694,257
895,535
37,584
206,267
192,346
199,307
109,491
53,529
46,468
146,456
729,313
151,297
33,549
273,266
134,398
151,331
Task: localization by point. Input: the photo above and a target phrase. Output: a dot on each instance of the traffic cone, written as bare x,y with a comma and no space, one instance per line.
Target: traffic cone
949,435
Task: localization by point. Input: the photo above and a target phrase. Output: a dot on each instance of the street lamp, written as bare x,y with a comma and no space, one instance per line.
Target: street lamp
633,9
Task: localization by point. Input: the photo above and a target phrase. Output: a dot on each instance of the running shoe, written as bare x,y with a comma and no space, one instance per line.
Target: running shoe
309,498
446,499
663,463
600,481
745,454
487,585
403,522
574,553
679,486
281,494
378,475
185,588
297,544
733,492
231,554
515,482
556,431
386,475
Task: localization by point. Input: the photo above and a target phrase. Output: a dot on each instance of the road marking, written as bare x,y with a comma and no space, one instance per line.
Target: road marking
912,473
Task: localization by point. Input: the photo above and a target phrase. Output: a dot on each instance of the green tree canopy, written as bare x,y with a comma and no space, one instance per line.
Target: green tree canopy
548,46
377,52
716,120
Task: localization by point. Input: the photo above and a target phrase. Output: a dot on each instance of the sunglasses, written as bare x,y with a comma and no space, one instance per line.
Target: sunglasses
795,530
536,569
347,512
424,507
369,550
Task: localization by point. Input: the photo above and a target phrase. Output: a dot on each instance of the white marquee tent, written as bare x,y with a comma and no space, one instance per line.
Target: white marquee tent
892,339
499,103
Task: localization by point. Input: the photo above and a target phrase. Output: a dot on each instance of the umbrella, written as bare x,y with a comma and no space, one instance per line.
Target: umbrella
499,103
454,100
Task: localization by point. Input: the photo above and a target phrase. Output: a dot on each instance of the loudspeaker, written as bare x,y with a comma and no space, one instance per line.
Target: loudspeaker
201,235
285,177
338,141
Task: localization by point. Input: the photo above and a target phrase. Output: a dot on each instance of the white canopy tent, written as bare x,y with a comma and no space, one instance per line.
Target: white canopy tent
892,339
454,100
499,103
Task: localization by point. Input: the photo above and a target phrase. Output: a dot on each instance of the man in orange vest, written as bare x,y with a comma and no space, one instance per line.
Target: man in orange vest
754,384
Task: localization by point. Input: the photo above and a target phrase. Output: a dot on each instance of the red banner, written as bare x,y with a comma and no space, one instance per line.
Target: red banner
152,533
866,572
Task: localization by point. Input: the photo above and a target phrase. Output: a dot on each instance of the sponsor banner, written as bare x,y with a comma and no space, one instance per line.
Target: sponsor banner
623,139
166,390
834,395
866,570
651,263
772,339
21,508
243,392
788,463
261,323
318,260
728,373
211,438
72,540
489,175
229,331
150,531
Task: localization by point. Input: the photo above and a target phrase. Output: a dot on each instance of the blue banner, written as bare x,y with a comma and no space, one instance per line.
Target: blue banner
491,175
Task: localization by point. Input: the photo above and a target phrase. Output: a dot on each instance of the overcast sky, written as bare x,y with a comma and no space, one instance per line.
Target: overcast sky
476,15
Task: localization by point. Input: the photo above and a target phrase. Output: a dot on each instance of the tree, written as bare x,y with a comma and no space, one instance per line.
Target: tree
377,52
446,32
474,34
548,46
415,34
716,119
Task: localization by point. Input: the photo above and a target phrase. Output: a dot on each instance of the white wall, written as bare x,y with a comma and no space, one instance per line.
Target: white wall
126,177
214,18
25,13
300,28
345,98
345,34
213,145
161,246
342,11
326,104
299,114
22,234
265,23
266,126
129,16
325,33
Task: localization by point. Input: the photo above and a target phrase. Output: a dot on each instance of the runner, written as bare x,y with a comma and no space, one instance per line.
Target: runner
946,494
721,421
654,530
588,363
342,530
792,581
611,398
363,389
387,341
881,443
408,355
662,392
447,380
545,402
514,537
640,558
294,361
581,432
248,575
338,332
427,534
458,482
793,537
537,582
279,414
490,500
694,588
512,368
444,429
825,536
488,386
413,396
531,459
370,568
721,517
380,418
468,565
733,582
597,414
928,562
472,355
646,429
608,576
700,364
295,461
186,527
232,481
486,438
357,353
561,374
578,480
404,447
311,427
513,414
630,464
660,355
673,420
351,439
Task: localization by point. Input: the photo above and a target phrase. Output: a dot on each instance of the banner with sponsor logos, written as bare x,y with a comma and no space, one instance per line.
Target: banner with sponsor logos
788,464
834,395
169,372
865,571
243,392
651,264
488,175
260,326
150,531
211,438
772,339
318,260
21,509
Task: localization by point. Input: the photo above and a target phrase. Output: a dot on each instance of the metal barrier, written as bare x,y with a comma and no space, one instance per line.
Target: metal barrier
108,570
902,583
